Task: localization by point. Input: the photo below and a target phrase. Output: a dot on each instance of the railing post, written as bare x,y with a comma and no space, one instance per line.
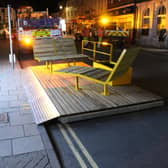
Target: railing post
111,49
76,83
94,51
82,46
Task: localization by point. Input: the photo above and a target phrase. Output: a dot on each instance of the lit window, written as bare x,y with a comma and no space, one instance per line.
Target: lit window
161,18
146,22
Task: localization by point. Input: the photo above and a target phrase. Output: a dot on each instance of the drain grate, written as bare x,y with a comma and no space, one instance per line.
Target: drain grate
3,118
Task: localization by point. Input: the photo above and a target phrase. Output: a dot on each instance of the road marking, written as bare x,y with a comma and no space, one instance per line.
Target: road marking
82,147
72,147
155,49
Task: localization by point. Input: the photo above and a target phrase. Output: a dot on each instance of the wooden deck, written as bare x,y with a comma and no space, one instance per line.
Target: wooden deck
53,96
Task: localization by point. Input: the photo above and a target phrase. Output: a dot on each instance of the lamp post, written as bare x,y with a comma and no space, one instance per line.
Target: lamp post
11,55
134,24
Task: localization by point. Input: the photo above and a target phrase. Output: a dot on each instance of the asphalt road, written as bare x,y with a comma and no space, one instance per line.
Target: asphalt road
151,71
134,140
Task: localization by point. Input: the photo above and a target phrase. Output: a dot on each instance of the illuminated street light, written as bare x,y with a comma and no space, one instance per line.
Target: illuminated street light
104,20
60,7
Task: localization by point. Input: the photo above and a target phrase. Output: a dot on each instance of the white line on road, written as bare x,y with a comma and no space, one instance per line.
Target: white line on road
82,147
72,147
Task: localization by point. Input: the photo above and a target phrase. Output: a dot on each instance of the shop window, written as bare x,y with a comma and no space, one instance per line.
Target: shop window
161,18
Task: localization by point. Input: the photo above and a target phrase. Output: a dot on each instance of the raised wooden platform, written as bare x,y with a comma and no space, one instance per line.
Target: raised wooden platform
53,96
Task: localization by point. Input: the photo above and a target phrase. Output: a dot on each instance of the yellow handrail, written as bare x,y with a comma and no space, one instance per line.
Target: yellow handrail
95,51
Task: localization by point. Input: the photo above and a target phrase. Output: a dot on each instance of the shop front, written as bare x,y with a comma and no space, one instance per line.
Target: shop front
123,19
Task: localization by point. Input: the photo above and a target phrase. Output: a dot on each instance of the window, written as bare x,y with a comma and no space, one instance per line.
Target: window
146,22
161,18
109,3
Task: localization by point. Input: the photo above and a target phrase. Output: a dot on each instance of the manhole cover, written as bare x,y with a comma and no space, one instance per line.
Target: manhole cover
3,118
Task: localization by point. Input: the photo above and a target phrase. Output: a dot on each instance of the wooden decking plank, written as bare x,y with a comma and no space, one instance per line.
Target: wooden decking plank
52,96
114,97
141,96
80,106
106,99
70,100
86,102
58,100
86,93
99,104
73,96
81,97
127,95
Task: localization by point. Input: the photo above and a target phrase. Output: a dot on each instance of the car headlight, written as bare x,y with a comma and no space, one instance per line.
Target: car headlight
27,41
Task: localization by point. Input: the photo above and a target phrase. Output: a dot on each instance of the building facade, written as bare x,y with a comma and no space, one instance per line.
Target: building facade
152,17
28,12
4,17
83,12
144,19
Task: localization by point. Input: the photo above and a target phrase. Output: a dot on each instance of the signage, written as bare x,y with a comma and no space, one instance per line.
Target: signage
41,33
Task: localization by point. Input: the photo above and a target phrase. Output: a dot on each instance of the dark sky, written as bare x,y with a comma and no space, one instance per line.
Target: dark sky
36,4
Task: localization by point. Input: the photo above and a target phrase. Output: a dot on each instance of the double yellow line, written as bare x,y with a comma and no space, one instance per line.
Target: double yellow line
65,129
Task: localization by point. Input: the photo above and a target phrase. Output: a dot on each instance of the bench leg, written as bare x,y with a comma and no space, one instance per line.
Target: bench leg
51,66
76,83
74,63
69,64
105,91
47,64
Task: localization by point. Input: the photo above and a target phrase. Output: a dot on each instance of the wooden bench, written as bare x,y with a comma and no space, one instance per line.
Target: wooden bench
49,50
104,74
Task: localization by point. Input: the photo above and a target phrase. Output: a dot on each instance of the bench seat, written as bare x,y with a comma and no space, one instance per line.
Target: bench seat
49,50
103,75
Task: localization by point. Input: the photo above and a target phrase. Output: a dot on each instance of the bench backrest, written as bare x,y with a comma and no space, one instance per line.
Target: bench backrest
123,63
65,46
54,47
44,47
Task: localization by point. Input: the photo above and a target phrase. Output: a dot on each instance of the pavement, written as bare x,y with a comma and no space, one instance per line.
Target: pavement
21,143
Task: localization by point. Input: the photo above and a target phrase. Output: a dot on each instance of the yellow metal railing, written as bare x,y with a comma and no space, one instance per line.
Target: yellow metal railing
95,50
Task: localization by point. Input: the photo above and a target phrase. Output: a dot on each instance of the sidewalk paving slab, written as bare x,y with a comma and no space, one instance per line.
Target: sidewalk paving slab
27,144
21,145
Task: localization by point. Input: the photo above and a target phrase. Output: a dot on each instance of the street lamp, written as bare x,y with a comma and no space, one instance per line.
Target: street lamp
104,20
60,7
134,24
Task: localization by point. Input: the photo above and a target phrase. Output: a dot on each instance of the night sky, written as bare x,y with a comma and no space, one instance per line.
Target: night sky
36,4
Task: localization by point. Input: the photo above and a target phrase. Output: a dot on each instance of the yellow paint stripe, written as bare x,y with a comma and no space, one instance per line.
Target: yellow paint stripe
72,147
82,147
